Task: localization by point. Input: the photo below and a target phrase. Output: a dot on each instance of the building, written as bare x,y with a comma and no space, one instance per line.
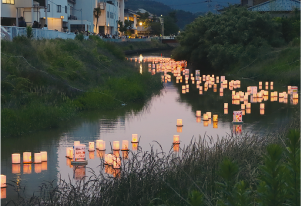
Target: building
277,8
65,15
131,16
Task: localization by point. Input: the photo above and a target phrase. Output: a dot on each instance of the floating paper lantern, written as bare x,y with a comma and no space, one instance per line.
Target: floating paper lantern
116,163
248,111
38,168
237,117
266,93
91,147
3,181
243,106
215,118
183,87
70,153
176,139
179,123
125,145
27,157
248,106
101,145
225,105
116,145
134,138
225,111
262,106
200,92
209,114
16,168
37,158
198,113
271,83
76,143
16,158
108,159
44,165
260,84
43,156
205,117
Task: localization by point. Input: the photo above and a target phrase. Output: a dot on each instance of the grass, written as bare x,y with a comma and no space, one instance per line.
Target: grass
281,65
45,82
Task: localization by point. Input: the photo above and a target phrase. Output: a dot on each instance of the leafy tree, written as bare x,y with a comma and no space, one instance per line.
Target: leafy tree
97,13
217,41
124,27
170,26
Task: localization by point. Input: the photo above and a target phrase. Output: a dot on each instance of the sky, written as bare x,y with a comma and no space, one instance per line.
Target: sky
198,5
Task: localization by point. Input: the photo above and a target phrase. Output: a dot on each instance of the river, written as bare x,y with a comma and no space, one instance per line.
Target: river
154,122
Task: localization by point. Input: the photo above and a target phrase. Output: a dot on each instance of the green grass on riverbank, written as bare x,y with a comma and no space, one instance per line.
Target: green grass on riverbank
45,82
281,65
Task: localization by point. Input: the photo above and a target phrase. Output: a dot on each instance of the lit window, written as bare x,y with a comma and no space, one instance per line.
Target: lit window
8,1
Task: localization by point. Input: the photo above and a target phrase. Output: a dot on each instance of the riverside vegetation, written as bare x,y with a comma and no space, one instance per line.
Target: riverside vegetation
255,44
46,82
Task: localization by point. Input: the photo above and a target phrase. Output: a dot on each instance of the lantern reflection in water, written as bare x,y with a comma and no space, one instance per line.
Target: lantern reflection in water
37,168
295,101
68,163
200,92
15,158
44,165
26,168
108,159
79,172
266,98
91,155
125,154
248,111
176,147
3,193
198,119
243,112
215,125
3,181
109,169
225,111
135,145
116,153
100,153
206,123
262,111
179,129
125,145
116,163
16,168
237,129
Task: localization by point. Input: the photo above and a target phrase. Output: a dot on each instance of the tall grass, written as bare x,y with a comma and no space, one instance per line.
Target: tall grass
45,82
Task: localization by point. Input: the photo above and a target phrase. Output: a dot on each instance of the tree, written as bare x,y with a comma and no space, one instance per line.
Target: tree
97,13
124,27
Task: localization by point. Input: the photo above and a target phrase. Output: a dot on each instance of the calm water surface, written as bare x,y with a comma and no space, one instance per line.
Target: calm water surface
155,121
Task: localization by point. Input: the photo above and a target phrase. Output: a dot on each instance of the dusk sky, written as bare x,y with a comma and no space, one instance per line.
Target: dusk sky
198,5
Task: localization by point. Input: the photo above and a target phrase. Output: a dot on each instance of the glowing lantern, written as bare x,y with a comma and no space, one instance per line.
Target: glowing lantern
272,83
101,145
116,145
209,115
201,88
237,117
38,168
266,93
260,84
225,105
76,143
248,111
261,105
243,106
108,159
176,139
15,158
225,111
134,138
295,96
183,91
27,157
16,168
91,147
243,112
205,117
3,193
179,123
37,158
200,92
26,168
70,153
43,156
183,87
295,101
125,145
215,118
44,165
3,181
221,90
248,106
198,113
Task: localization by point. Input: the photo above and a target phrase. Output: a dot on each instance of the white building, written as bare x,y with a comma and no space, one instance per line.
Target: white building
65,14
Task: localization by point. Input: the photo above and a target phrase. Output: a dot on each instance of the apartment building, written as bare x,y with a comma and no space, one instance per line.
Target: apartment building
63,15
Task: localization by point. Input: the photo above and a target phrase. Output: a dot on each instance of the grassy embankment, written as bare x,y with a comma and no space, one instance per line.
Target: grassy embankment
281,65
58,78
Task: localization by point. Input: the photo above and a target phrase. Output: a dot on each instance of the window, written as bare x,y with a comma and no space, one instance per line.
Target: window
48,7
8,1
108,14
111,15
66,9
58,8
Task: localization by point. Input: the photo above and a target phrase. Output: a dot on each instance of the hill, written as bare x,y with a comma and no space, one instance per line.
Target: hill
159,9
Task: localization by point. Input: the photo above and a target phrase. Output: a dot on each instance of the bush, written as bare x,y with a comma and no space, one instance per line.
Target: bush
29,32
79,37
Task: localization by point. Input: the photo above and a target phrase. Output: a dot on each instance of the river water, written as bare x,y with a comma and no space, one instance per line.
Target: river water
154,122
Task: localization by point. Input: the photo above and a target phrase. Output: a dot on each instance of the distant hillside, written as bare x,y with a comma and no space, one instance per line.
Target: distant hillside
158,8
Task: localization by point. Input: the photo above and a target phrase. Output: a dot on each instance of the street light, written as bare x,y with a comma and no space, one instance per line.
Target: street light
140,23
162,25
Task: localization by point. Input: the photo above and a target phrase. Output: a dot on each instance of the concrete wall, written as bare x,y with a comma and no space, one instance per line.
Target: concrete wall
8,10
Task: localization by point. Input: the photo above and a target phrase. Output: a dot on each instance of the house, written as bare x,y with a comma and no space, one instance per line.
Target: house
63,15
277,8
131,16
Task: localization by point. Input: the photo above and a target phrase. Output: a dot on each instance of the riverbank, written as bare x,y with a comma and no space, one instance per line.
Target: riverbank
46,82
281,65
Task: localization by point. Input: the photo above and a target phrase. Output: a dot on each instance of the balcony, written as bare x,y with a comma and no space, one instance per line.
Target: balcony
72,1
71,17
